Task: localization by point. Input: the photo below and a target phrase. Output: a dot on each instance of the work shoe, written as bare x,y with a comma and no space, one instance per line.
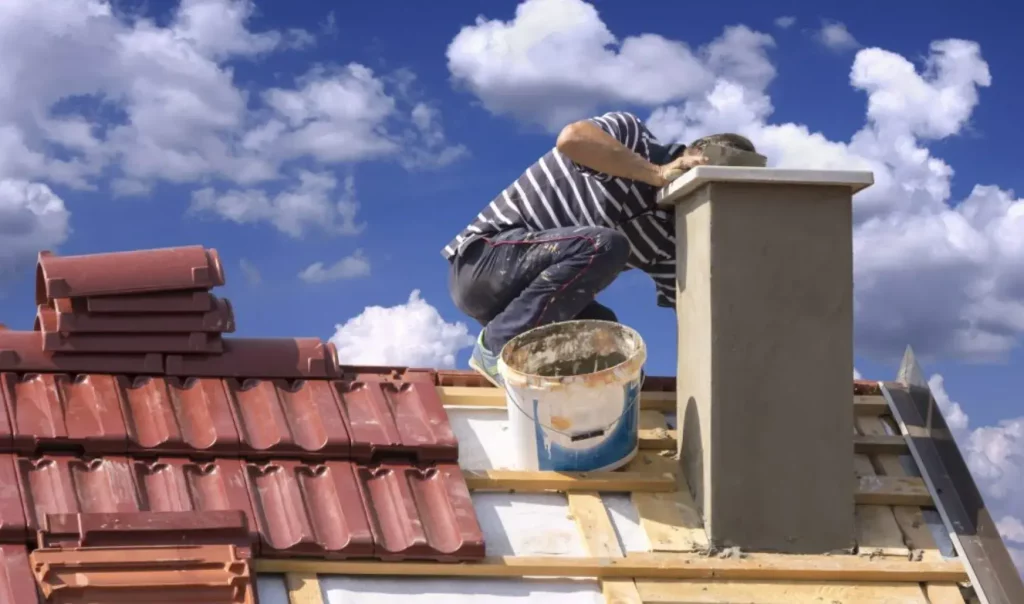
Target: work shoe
485,362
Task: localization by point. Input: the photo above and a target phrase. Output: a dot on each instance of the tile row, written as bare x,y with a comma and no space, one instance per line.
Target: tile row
333,509
288,358
205,417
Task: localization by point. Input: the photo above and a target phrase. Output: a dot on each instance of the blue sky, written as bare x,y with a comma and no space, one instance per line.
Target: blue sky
147,134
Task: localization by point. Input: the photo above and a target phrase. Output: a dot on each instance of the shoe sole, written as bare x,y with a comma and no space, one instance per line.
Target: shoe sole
476,367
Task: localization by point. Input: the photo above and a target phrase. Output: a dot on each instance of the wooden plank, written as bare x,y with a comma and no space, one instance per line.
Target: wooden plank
493,398
654,432
878,534
892,490
568,482
871,490
303,588
599,535
872,405
910,520
671,520
778,592
754,567
662,439
879,444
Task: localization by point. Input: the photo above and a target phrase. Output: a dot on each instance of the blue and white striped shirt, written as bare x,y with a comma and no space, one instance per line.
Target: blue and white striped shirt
556,192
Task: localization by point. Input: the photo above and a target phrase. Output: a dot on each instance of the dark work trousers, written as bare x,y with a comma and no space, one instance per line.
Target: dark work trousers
517,280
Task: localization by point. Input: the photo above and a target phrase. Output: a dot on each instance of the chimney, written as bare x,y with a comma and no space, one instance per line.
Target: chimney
765,319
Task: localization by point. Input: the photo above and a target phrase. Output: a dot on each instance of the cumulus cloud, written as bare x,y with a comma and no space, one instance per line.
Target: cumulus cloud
995,455
312,203
557,61
911,239
413,334
349,267
785,22
137,101
32,218
836,37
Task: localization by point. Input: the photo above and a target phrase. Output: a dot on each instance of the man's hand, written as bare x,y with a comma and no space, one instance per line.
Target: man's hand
675,168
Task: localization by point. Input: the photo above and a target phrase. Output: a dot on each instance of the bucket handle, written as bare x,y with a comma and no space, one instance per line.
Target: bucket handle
578,436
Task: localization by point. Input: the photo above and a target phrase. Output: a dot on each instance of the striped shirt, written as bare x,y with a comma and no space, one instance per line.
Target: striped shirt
556,192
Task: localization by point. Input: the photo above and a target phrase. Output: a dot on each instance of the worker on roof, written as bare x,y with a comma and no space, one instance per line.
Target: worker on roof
563,231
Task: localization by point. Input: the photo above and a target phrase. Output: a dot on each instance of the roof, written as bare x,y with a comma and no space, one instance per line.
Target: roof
146,452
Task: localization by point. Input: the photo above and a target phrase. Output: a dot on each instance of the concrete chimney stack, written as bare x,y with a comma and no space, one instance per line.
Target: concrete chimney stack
765,319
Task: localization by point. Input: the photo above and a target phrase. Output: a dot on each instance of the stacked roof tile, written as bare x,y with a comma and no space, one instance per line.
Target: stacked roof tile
130,423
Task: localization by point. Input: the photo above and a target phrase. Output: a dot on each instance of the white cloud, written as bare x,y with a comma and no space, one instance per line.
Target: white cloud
856,374
785,22
557,61
995,455
250,272
313,203
32,218
125,98
836,37
413,334
349,267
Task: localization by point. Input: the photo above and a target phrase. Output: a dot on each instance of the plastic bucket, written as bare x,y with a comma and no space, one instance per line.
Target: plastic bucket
573,392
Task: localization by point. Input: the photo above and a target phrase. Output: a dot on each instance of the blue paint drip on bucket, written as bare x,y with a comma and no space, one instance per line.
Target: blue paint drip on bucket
586,421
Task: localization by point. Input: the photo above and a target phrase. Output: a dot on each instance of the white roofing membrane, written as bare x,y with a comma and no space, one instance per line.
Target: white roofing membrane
520,524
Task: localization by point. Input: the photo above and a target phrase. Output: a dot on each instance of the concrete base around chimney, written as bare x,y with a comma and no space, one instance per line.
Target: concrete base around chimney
765,312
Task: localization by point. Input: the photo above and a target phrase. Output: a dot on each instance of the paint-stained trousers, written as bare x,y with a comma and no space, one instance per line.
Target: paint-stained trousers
518,280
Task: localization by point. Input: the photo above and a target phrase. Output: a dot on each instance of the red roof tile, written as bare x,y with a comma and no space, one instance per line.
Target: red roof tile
13,528
56,411
156,302
313,510
17,584
190,343
379,373
221,527
204,574
23,351
421,513
171,415
219,320
167,269
174,484
263,358
390,418
288,418
64,484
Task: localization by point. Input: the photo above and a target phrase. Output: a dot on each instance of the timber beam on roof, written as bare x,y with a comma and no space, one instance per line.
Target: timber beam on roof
665,402
646,566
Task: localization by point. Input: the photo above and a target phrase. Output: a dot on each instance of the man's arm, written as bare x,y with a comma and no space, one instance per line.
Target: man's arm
614,144
617,144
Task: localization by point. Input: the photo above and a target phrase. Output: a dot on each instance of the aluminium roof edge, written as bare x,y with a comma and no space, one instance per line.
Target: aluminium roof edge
945,472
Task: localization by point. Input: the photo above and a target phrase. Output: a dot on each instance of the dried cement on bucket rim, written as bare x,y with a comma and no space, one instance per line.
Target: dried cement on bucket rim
523,356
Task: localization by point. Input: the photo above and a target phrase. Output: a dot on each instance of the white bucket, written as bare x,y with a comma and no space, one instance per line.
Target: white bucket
573,392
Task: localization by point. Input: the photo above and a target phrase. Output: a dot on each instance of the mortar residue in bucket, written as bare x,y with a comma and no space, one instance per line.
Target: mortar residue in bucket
573,395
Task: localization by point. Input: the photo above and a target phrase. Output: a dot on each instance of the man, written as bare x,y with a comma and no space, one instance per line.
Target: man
542,250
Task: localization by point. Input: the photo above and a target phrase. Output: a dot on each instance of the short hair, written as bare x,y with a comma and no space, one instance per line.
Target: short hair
727,139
